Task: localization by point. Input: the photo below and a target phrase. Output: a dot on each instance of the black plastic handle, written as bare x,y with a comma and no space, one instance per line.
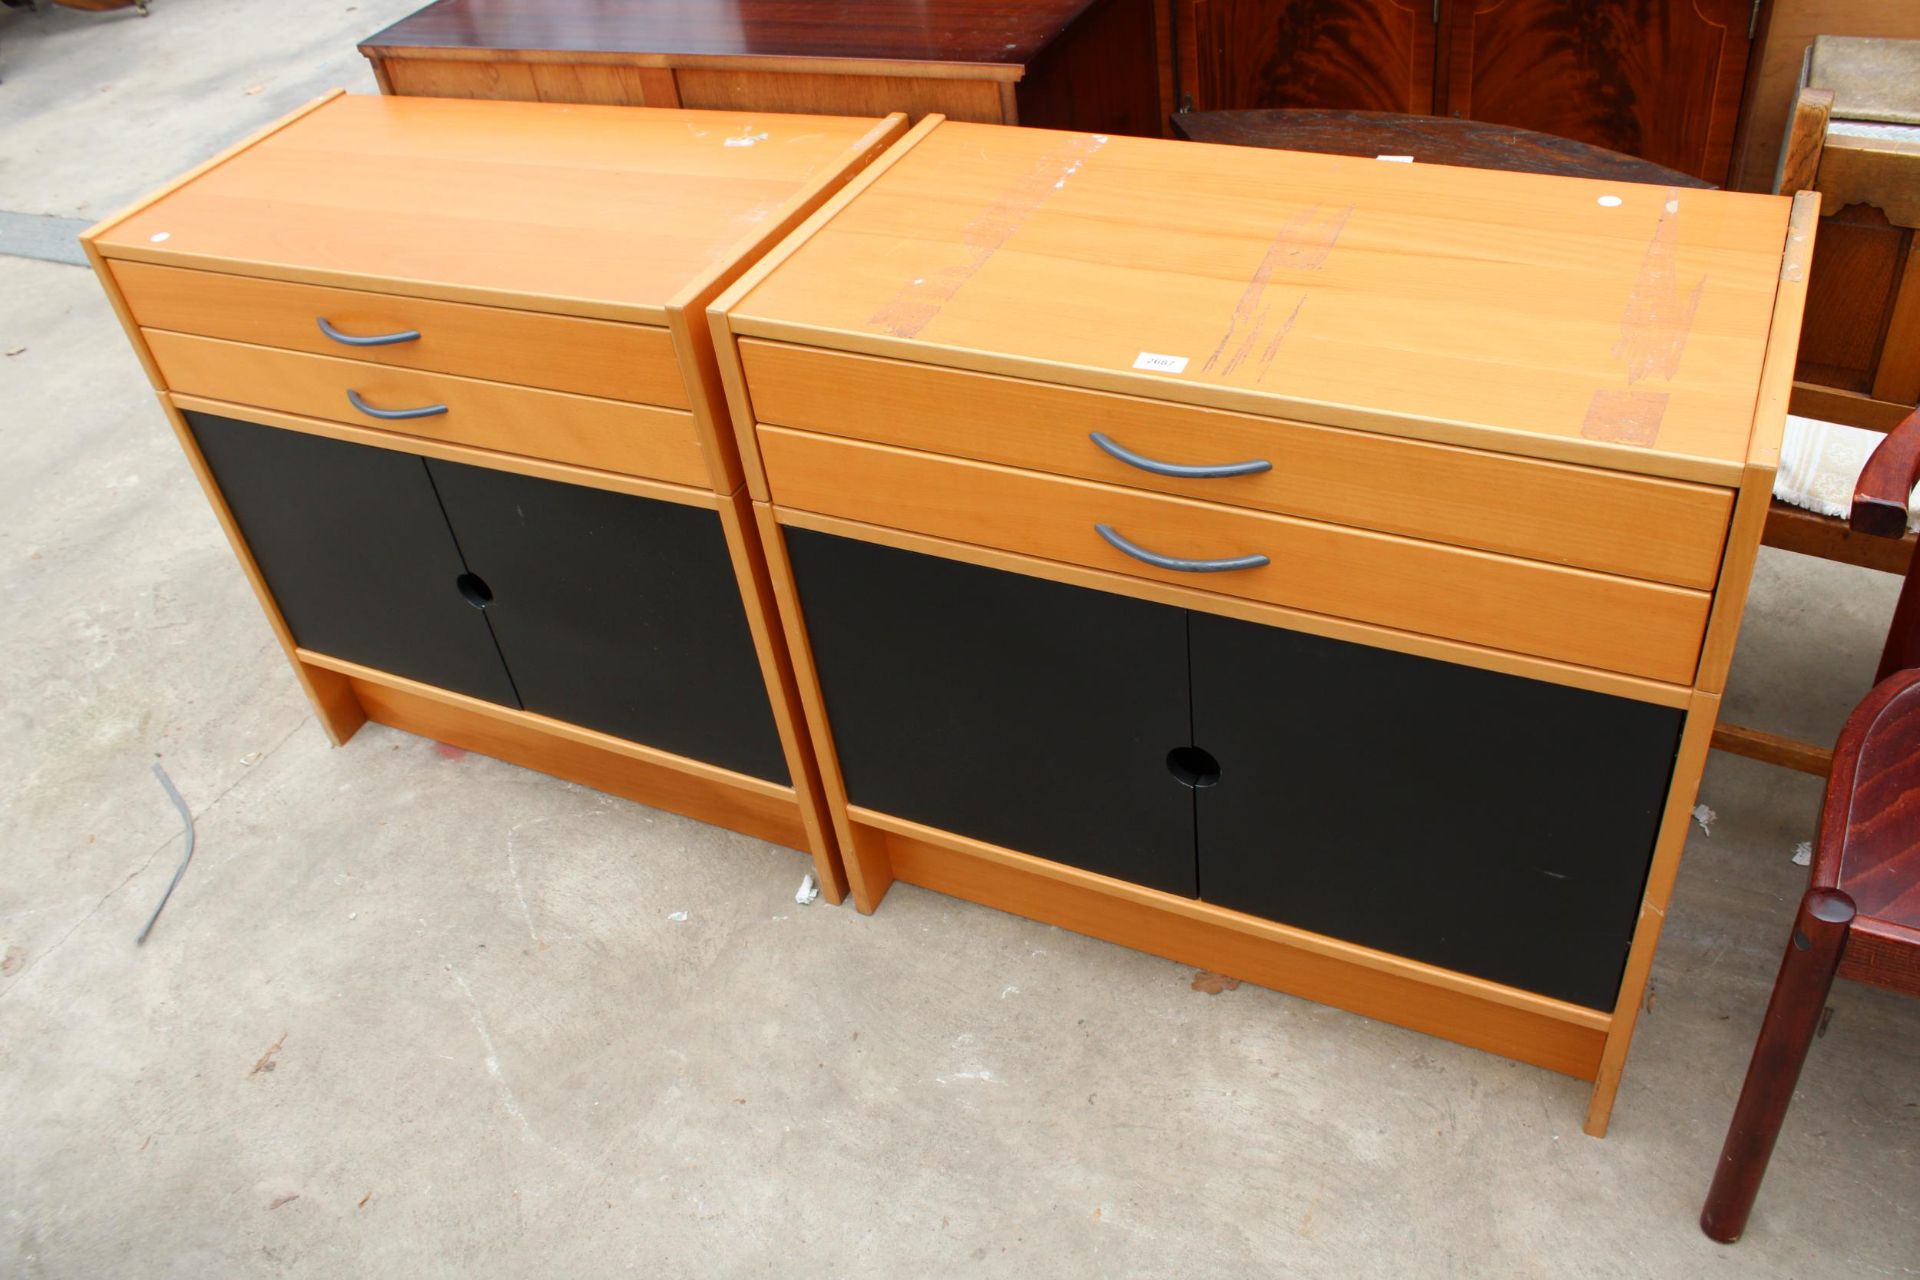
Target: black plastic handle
425,411
1184,471
375,340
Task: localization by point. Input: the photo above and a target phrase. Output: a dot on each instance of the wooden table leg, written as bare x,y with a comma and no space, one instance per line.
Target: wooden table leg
1793,1014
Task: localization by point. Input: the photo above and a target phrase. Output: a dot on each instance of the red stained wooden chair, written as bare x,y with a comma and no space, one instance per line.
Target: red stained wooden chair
1860,918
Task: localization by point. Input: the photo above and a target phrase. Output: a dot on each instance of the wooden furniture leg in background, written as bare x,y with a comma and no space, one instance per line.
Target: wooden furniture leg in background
1793,1015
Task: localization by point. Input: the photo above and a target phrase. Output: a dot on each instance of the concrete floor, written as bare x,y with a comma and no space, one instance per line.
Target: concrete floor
413,1013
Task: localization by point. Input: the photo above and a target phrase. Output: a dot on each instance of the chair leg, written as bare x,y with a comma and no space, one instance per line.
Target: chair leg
1793,1014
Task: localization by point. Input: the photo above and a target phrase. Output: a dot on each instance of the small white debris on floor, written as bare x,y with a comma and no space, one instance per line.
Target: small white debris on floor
1705,817
1803,854
809,891
677,916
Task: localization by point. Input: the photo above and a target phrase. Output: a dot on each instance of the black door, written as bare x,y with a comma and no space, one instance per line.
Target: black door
618,613
1481,822
1021,712
354,548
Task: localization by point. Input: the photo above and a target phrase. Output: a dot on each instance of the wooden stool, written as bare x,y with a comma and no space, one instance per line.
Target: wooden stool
1860,919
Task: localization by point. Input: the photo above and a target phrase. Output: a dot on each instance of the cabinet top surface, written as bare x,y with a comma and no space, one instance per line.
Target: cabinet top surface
600,210
1004,33
1586,320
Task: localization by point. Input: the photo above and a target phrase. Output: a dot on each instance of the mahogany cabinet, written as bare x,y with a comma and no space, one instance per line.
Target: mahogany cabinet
1061,64
1328,578
442,369
1658,79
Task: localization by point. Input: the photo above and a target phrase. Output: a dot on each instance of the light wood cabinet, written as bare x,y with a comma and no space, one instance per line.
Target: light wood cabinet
462,423
1184,573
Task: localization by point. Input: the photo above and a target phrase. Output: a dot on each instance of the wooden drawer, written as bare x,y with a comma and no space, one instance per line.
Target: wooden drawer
563,353
611,435
1638,526
1574,615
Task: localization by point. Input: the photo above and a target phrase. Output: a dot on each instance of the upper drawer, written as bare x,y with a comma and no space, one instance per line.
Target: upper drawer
1574,615
612,435
1639,526
565,353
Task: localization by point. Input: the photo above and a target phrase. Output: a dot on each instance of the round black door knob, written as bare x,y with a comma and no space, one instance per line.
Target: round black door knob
1193,766
474,590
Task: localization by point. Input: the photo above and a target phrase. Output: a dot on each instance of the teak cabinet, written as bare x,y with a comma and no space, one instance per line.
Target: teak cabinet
443,371
1658,79
1062,64
1328,579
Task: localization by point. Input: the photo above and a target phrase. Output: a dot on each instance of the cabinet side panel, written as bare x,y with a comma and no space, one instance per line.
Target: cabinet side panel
617,612
1025,713
356,552
1480,822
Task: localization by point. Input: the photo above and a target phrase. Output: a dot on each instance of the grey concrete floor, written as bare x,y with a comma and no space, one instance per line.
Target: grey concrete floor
415,1013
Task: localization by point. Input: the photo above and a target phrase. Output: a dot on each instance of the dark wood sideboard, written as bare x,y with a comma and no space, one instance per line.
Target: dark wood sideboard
1067,64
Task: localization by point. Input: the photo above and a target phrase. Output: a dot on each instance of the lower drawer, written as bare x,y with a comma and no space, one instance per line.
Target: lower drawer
634,439
1592,619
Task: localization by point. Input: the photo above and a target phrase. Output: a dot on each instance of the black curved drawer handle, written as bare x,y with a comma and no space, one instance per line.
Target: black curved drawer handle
377,340
1159,561
428,411
1114,448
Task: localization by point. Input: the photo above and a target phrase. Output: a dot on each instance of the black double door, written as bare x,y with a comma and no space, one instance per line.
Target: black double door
1481,822
610,611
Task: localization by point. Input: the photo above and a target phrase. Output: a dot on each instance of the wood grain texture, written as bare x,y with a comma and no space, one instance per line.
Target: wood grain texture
1676,819
1547,1033
1830,404
1659,79
1363,55
547,746
862,861
1630,525
330,694
1521,307
562,353
606,434
1896,377
1773,748
1806,138
1591,619
1811,534
545,469
596,211
1789,28
995,33
1471,144
1851,296
749,556
804,93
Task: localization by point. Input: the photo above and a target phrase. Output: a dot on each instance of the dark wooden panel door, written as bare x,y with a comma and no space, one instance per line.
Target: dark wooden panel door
353,546
1481,822
1021,712
618,613
1658,79
1356,55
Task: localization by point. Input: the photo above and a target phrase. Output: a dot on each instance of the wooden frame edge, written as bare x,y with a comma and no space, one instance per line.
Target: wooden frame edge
719,308
1690,762
691,325
1472,1011
1771,403
864,862
449,451
776,670
331,696
657,60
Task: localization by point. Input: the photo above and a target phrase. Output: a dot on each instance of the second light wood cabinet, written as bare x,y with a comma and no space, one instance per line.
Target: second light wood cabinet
1658,79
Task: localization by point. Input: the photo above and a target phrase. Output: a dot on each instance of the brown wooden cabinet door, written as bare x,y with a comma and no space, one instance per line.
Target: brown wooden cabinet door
1355,55
1658,79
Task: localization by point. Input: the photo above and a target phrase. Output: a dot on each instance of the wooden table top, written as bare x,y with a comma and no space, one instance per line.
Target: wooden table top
609,211
1565,318
991,33
1471,144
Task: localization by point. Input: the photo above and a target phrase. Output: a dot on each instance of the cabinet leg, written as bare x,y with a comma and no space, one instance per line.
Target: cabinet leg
1799,996
334,701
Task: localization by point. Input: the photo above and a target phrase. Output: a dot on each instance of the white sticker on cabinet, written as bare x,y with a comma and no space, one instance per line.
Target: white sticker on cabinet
1154,362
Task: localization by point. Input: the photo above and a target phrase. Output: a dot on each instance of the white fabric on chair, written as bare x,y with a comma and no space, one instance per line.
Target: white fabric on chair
1820,463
